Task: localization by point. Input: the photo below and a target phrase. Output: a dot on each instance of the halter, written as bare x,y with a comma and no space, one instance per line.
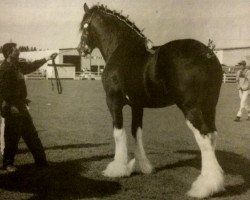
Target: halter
85,27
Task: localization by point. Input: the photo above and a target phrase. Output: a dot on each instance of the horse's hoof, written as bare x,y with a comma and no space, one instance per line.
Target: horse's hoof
146,167
143,166
206,186
117,169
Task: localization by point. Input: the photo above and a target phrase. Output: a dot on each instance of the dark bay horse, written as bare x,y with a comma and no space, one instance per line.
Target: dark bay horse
181,72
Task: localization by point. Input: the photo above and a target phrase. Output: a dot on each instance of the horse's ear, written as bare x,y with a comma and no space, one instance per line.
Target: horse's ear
86,8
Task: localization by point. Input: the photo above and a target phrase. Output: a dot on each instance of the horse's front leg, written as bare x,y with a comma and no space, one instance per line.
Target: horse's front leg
140,154
120,166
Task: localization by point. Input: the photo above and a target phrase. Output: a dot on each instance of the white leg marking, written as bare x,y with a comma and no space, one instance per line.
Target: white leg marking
140,154
120,166
2,135
211,179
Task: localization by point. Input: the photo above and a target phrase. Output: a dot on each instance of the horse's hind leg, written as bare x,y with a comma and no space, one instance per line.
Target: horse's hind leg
211,179
140,155
119,167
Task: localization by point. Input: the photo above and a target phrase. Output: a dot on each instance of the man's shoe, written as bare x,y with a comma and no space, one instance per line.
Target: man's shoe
10,168
237,119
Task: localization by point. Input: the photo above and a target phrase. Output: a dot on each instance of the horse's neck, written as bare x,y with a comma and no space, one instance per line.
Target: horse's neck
111,36
107,46
107,40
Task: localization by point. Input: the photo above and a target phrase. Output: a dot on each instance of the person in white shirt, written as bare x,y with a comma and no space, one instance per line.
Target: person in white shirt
243,81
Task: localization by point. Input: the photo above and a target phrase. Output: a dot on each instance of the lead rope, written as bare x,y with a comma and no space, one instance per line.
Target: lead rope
58,82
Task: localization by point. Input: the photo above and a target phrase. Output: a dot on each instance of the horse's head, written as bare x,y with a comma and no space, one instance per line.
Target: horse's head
86,44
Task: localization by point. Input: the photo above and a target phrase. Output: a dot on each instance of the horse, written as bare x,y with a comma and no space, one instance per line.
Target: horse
183,72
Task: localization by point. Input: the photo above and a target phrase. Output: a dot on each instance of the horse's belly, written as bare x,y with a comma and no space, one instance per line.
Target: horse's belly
158,100
157,94
152,97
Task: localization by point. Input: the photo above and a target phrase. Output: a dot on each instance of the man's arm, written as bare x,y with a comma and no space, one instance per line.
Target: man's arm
237,76
28,67
248,75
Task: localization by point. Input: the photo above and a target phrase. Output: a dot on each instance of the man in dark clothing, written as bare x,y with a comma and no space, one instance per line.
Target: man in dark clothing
13,94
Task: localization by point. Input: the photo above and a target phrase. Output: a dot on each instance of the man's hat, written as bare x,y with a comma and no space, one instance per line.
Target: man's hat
243,62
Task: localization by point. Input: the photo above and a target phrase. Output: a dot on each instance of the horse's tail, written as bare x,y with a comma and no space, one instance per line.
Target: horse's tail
211,95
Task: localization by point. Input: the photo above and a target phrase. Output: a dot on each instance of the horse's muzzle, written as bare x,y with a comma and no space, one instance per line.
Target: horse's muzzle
83,49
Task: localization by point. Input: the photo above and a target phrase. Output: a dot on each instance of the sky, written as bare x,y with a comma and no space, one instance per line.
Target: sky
55,24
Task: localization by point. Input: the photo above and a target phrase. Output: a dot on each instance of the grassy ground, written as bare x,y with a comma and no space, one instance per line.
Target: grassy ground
76,131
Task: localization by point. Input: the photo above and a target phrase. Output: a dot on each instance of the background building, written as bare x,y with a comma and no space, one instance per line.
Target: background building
94,62
232,56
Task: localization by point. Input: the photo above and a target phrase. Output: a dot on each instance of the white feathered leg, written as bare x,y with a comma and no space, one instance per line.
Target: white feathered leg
211,179
140,155
120,166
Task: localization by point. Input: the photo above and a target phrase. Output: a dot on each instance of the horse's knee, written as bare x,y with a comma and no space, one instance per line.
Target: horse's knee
115,105
195,116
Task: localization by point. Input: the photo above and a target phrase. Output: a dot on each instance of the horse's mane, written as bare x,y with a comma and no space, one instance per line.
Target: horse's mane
119,16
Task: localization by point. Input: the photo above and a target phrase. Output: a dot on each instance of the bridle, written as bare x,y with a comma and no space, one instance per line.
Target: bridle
83,47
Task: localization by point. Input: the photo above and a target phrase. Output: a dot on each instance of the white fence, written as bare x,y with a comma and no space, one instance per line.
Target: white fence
37,75
88,76
229,78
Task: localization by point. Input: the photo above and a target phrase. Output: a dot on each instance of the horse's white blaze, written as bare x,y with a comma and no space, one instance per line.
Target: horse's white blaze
140,154
2,135
211,179
120,166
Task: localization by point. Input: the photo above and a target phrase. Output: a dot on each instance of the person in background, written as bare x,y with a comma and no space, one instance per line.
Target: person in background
13,94
243,81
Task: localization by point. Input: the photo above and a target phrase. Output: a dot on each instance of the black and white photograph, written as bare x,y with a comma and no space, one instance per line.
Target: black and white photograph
122,99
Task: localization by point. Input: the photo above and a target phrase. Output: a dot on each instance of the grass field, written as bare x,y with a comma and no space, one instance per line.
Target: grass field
76,131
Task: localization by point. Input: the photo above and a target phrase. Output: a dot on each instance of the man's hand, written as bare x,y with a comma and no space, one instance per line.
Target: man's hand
52,56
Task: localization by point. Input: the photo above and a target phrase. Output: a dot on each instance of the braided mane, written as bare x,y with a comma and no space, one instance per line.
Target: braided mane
120,17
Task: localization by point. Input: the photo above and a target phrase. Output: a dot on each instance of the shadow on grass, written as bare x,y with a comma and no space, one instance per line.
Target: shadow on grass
59,181
231,163
68,146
